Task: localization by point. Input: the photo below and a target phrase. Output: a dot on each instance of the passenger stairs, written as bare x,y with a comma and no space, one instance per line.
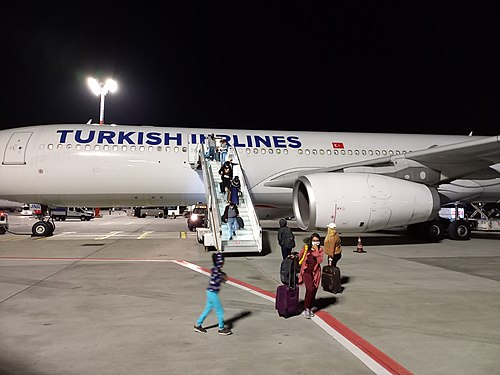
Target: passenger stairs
248,238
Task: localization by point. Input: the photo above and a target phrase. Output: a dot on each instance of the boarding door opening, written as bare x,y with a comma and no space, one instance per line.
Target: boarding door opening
15,152
193,153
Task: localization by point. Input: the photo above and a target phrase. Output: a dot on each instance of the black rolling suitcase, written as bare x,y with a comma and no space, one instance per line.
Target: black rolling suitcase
330,279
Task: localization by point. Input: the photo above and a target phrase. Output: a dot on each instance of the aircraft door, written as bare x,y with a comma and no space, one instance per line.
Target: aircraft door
193,150
15,152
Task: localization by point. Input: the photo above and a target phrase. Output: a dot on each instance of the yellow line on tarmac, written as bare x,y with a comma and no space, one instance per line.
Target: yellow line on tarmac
144,235
183,235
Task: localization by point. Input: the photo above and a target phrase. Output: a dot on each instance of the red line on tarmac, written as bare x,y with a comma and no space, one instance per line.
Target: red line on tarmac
378,356
381,358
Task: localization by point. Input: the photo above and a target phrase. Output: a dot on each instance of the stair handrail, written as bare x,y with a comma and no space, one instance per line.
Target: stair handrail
211,195
254,220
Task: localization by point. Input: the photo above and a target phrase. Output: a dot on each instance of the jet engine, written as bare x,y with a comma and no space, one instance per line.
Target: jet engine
361,202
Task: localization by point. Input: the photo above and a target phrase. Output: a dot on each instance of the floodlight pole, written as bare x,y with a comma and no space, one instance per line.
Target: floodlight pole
100,88
101,112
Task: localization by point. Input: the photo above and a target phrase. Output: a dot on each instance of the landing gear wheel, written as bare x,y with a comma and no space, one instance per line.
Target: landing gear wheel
2,230
459,230
434,231
42,229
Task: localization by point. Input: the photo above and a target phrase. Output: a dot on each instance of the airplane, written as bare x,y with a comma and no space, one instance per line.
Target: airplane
362,181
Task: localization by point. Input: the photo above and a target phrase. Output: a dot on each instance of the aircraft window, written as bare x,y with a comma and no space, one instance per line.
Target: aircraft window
356,152
321,151
384,152
176,149
363,152
68,147
315,152
404,152
377,152
132,148
285,151
150,148
105,147
335,152
59,146
142,148
342,152
329,152
391,152
124,148
42,147
184,149
255,150
167,148
247,150
370,152
307,151
78,147
397,152
159,148
115,148
278,151
87,147
349,152
262,150
301,152
50,146
271,151
96,147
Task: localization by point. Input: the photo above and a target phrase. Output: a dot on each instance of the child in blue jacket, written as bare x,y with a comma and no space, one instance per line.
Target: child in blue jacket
217,276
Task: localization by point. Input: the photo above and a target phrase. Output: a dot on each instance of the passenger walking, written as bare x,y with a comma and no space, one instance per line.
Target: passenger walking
235,189
333,246
217,276
223,150
286,239
226,174
311,257
230,214
211,147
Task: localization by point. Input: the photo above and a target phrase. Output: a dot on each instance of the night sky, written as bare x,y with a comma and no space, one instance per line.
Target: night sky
315,65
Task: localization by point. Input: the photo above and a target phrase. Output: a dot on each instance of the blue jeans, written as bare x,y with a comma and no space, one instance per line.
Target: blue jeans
223,155
213,302
233,225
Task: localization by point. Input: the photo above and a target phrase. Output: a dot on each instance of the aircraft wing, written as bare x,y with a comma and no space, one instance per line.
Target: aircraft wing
470,159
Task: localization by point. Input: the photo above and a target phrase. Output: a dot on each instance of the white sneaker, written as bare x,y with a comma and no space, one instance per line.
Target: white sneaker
307,314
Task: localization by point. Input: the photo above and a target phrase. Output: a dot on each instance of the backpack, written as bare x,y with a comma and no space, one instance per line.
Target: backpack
288,239
288,271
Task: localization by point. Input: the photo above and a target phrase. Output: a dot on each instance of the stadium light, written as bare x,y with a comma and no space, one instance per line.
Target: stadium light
100,88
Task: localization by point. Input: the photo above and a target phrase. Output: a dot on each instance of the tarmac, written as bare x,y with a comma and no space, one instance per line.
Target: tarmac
120,295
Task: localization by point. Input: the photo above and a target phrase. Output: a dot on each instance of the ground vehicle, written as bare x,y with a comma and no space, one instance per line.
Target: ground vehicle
197,218
25,210
63,213
174,211
4,222
149,211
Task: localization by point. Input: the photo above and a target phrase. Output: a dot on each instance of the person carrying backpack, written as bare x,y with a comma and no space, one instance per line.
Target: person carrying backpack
286,239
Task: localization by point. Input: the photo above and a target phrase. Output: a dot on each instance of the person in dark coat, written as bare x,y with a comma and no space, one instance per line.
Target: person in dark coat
235,189
226,174
286,239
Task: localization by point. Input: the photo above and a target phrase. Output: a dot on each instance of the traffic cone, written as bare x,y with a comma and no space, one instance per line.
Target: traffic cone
359,248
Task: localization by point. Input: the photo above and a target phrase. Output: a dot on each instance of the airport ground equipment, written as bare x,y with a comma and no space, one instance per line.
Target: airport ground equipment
247,239
484,216
4,222
63,213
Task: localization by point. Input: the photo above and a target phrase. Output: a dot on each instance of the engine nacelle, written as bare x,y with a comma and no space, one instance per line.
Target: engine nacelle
360,202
